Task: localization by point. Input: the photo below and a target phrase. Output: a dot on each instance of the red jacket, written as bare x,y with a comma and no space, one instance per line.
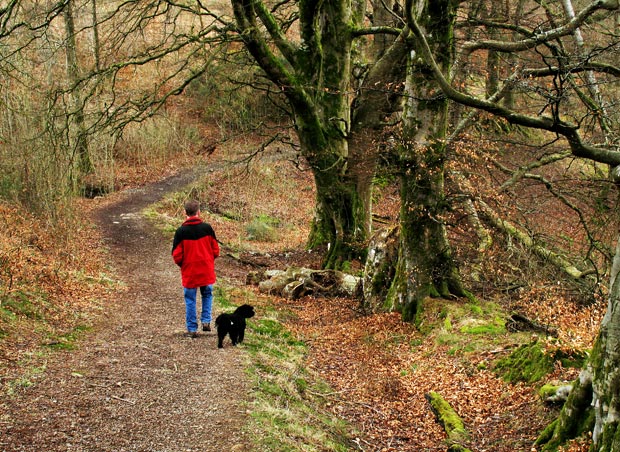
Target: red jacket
194,249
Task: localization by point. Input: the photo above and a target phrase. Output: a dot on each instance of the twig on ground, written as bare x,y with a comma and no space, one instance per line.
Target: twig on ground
131,402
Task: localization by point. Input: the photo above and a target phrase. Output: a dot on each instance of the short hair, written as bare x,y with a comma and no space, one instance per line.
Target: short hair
192,207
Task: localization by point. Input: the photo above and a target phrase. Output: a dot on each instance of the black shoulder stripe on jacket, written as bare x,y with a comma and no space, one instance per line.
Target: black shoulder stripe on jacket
192,232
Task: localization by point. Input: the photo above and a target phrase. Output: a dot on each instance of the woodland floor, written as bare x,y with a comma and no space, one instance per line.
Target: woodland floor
135,383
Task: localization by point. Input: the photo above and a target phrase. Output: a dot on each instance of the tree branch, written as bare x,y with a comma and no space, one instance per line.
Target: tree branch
551,124
523,170
358,32
245,14
548,35
284,45
525,239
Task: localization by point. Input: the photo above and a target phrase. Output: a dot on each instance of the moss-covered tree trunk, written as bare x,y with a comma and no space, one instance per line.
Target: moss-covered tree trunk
334,120
324,67
605,364
594,403
341,209
425,264
315,76
373,106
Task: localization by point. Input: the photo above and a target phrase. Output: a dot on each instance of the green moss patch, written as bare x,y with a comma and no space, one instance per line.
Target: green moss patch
493,327
528,363
531,362
24,304
68,341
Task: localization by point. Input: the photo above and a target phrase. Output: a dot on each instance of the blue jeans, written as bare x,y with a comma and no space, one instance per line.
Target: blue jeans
206,293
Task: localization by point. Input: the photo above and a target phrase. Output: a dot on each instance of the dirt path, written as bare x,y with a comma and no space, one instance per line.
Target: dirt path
136,384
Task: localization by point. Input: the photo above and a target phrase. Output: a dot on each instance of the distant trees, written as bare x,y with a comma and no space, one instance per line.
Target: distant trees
67,94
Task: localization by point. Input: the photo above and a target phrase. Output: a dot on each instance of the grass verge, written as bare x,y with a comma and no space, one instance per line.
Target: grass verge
288,408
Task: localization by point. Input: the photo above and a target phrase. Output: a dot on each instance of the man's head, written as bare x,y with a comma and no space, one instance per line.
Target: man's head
192,207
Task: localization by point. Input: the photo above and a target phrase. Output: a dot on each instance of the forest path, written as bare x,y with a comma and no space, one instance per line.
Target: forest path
136,383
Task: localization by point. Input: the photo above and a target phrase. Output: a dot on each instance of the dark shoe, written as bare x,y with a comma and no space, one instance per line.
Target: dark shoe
191,334
206,327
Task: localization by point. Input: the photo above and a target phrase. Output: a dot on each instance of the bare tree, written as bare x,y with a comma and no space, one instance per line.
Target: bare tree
92,102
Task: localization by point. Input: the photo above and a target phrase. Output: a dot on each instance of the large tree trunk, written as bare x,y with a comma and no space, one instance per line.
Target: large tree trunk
594,402
425,264
316,79
372,109
96,45
341,214
605,363
341,210
493,58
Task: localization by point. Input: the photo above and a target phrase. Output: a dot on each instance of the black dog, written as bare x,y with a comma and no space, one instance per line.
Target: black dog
233,324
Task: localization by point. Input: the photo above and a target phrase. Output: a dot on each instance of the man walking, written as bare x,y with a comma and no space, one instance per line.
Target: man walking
194,249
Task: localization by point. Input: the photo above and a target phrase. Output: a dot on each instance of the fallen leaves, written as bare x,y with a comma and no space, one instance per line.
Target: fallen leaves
50,282
381,368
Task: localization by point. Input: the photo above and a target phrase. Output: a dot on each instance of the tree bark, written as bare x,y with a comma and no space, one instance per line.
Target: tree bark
606,373
384,13
425,264
341,210
96,46
84,163
294,283
594,402
493,57
379,270
376,101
